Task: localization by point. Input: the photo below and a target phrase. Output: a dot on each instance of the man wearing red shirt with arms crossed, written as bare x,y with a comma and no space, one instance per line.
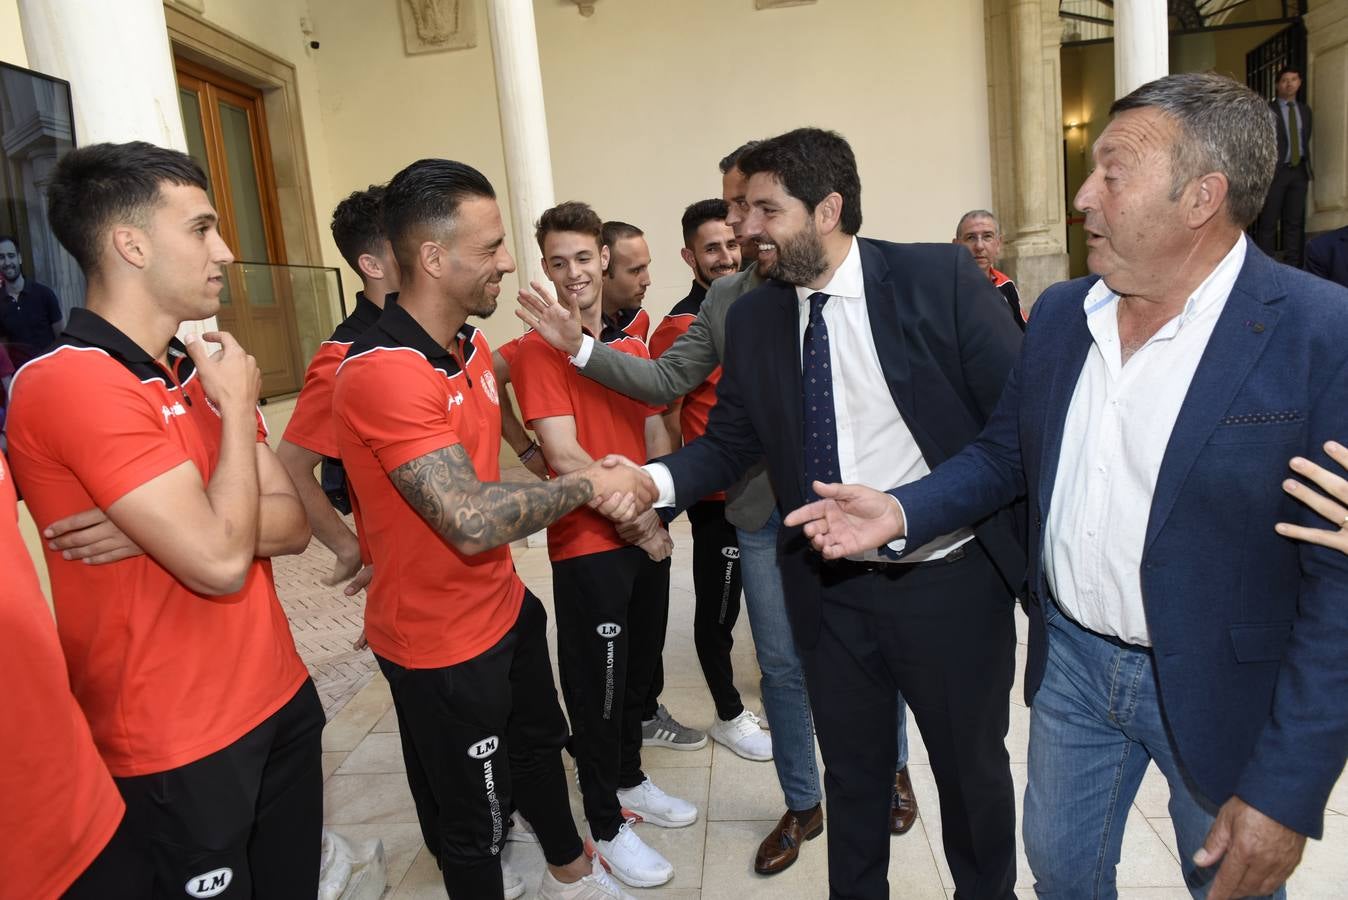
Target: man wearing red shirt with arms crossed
182,657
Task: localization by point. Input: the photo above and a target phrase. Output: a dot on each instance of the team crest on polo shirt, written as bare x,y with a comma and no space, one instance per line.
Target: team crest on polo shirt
489,385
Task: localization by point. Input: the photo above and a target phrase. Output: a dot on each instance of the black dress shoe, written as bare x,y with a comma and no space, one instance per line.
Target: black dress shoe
782,845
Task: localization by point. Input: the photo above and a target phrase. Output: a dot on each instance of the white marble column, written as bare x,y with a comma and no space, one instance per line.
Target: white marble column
116,57
1141,44
524,125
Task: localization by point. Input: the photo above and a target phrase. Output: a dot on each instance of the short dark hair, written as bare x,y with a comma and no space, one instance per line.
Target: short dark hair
1285,69
569,216
811,163
428,193
13,240
615,231
700,213
94,187
730,159
358,224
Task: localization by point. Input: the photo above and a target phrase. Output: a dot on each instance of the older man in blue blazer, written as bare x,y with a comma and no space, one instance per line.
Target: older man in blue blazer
1147,423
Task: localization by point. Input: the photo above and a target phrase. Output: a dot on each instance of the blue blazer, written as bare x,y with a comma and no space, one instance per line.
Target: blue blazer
1249,629
1327,256
946,346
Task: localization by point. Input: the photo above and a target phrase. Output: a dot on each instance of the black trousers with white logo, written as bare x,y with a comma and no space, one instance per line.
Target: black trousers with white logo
245,821
716,585
479,739
612,608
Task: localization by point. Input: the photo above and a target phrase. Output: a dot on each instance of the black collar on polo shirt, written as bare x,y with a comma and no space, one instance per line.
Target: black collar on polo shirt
405,331
362,318
89,329
612,328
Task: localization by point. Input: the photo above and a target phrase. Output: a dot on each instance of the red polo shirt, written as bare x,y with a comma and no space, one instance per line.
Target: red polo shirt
698,402
164,675
400,395
60,806
311,424
546,384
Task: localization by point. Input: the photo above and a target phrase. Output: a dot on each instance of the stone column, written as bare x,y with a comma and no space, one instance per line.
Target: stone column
524,125
1023,53
1327,43
1141,44
116,57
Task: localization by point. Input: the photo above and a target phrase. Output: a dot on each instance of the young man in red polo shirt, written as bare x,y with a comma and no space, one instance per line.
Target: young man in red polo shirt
460,639
60,808
611,598
181,658
311,436
711,251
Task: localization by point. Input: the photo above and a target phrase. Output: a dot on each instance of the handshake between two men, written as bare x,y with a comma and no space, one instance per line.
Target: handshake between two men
625,494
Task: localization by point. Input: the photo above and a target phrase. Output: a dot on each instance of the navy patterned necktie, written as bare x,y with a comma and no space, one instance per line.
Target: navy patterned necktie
818,417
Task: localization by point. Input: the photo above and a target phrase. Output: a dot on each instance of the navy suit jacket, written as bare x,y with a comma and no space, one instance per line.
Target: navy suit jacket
946,346
1327,256
1249,629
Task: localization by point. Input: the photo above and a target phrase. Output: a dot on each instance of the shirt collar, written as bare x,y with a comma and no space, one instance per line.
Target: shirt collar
847,282
697,293
89,329
366,313
406,331
1211,293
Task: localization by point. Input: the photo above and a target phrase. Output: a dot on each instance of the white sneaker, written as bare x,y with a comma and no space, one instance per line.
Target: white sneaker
632,860
511,882
744,736
650,804
521,830
598,885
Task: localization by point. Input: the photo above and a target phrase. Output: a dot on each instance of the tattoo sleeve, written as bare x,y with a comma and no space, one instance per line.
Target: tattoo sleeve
474,516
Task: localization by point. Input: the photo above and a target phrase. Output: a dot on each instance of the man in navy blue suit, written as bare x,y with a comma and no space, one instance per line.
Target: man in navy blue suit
1147,423
1327,256
873,360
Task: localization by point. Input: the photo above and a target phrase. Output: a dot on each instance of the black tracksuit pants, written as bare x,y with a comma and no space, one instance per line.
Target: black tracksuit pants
612,609
481,738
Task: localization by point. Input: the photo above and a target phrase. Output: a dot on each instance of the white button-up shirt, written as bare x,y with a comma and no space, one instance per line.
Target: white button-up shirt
875,447
1114,439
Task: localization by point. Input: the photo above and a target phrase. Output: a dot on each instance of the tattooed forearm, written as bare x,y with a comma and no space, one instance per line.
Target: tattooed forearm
473,516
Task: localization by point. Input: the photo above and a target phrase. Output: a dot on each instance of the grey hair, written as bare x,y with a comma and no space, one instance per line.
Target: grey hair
977,214
1224,127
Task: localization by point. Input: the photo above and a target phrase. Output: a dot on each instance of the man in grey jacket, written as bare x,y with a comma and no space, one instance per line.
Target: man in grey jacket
752,509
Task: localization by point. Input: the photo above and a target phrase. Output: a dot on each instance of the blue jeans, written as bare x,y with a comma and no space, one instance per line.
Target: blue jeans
783,685
1095,724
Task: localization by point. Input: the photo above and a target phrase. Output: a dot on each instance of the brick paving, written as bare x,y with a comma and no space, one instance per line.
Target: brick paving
324,622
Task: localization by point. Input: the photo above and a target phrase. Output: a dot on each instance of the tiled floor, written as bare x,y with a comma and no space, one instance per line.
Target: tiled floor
366,796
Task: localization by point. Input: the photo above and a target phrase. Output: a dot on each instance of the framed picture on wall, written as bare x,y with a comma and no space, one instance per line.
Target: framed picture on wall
39,280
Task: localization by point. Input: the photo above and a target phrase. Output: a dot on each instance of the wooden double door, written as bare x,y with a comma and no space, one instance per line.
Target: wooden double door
226,126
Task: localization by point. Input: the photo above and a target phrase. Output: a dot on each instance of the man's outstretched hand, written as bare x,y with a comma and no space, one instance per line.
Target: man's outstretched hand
848,519
557,322
622,490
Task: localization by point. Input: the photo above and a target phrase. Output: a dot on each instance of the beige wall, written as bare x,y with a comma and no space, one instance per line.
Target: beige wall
643,99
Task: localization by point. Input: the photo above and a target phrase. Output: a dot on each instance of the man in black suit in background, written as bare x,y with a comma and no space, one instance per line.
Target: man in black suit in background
1286,200
905,351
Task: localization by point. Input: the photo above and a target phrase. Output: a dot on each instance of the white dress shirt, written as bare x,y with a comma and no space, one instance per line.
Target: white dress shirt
875,447
1114,439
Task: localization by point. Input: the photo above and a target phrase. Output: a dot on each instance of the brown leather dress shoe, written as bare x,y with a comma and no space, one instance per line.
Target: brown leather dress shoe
781,847
903,805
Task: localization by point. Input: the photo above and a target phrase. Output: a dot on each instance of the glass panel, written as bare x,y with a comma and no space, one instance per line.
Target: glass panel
313,292
196,148
246,194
